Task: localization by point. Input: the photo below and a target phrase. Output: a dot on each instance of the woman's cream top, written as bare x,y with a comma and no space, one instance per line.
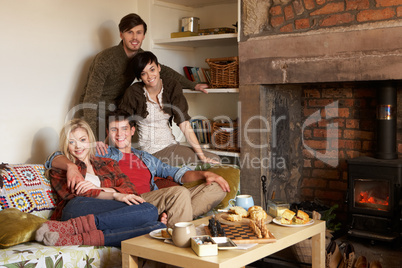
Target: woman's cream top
154,131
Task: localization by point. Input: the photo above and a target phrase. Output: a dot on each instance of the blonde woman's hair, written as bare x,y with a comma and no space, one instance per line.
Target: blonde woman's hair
71,127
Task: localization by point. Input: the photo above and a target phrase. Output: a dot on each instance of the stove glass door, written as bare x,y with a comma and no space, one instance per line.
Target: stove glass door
371,194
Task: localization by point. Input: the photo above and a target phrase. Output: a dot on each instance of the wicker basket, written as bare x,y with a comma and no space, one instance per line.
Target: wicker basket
224,72
303,249
224,140
303,252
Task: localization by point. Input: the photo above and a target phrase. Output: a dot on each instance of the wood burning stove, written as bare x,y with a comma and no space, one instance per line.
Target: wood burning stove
374,198
374,195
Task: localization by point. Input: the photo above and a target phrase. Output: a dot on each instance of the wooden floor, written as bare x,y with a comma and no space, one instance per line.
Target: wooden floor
389,254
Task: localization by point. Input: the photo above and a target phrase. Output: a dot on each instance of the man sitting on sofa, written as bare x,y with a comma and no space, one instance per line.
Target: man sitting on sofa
142,168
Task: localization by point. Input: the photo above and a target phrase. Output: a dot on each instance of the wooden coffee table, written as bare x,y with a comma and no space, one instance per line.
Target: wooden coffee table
153,249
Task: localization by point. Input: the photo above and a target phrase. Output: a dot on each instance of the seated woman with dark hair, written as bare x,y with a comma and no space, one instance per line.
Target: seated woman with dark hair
154,104
104,209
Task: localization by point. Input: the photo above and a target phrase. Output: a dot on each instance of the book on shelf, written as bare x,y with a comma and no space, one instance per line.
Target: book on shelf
202,130
207,75
219,30
194,71
197,74
187,72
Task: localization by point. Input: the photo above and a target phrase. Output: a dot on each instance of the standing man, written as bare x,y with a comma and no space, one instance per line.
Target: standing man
108,77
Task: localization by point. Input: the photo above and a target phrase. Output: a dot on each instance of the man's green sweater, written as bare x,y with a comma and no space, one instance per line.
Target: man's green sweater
107,81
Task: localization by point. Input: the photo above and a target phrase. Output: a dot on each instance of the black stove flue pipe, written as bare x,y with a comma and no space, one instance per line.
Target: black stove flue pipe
386,121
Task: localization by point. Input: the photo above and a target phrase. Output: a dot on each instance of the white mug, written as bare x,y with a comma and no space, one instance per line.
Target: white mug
245,201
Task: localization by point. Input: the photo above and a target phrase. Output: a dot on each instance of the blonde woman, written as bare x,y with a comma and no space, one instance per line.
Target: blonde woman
107,210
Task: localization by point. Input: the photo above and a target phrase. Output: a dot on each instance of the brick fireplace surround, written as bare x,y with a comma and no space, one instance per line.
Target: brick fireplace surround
309,72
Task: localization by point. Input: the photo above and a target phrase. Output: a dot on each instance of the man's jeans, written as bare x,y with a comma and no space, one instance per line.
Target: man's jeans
117,220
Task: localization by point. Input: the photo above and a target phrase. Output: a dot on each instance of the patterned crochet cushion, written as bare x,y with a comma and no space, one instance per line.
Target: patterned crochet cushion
25,187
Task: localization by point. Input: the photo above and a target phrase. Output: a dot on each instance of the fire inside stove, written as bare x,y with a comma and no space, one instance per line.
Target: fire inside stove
365,198
371,194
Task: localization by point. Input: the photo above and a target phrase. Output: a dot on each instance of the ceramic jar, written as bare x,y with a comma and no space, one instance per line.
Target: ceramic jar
182,232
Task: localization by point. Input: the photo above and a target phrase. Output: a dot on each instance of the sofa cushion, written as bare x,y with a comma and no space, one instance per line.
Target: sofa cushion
17,227
26,188
231,174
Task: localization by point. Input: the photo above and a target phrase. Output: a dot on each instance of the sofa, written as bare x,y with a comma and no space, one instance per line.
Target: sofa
27,200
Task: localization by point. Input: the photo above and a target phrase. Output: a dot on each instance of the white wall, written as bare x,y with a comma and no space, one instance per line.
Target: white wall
46,47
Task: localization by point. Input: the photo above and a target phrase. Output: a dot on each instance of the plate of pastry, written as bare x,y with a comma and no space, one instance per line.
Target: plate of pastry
292,219
163,233
239,216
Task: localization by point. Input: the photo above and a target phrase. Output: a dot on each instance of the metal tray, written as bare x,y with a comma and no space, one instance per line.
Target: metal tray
224,242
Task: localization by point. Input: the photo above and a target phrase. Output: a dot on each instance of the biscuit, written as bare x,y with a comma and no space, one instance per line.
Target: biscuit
238,211
255,208
258,215
166,233
234,217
